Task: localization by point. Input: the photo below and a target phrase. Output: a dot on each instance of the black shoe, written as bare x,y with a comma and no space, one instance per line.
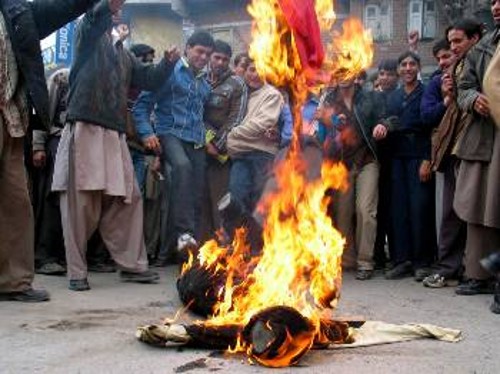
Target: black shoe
364,274
475,287
102,268
495,306
400,271
147,276
28,296
79,285
51,268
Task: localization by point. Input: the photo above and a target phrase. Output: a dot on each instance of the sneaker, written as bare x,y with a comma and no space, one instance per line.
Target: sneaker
28,296
51,268
475,287
400,271
421,274
147,276
364,274
186,242
434,281
79,285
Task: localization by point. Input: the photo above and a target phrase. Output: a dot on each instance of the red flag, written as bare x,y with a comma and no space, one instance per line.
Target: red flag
301,18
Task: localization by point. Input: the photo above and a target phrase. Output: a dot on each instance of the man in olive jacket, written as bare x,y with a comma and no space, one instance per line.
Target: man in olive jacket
477,199
22,25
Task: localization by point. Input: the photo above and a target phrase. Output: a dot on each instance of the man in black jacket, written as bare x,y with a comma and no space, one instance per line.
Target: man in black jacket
22,25
93,170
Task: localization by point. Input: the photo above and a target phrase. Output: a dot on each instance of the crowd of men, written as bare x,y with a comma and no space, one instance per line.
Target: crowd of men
129,160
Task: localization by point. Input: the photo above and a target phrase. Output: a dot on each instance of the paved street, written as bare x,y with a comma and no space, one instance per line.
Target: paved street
93,332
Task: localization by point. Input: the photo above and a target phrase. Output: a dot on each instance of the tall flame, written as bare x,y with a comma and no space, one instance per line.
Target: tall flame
300,263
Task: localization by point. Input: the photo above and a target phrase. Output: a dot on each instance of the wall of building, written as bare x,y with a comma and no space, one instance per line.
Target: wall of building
154,24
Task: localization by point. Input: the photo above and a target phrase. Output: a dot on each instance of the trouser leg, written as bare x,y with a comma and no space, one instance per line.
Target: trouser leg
344,213
16,219
366,214
453,233
481,242
402,247
121,228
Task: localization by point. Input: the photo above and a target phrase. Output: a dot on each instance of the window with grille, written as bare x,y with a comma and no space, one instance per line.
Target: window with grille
422,16
378,18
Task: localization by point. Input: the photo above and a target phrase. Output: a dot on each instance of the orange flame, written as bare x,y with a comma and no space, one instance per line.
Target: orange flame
350,52
325,13
272,47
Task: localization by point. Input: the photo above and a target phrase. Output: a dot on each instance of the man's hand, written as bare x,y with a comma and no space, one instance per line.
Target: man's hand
272,134
379,132
115,5
211,150
447,85
123,31
324,114
172,54
482,105
413,38
152,143
39,159
425,172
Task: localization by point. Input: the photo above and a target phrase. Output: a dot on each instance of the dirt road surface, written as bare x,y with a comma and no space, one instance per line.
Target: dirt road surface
93,332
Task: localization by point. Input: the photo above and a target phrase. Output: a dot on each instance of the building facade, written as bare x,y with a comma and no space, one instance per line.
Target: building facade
389,20
161,23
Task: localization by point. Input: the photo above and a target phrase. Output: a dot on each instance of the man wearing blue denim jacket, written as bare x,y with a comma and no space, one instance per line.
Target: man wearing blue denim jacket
180,133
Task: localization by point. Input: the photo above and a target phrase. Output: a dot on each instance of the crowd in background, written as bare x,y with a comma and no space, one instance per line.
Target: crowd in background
138,159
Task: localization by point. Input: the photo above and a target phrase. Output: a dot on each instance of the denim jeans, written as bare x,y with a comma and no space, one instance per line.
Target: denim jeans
187,165
248,175
139,161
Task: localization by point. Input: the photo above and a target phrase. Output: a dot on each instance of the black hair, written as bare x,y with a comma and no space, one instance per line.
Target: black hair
389,64
239,57
223,47
440,45
407,54
202,38
141,50
469,26
362,75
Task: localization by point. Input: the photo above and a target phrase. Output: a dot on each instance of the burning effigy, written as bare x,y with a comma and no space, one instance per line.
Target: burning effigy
275,303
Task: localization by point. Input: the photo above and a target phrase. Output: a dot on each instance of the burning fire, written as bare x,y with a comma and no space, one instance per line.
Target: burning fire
350,51
300,264
325,13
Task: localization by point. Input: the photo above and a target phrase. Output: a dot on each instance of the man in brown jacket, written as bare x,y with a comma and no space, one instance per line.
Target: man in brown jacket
462,36
224,110
477,198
